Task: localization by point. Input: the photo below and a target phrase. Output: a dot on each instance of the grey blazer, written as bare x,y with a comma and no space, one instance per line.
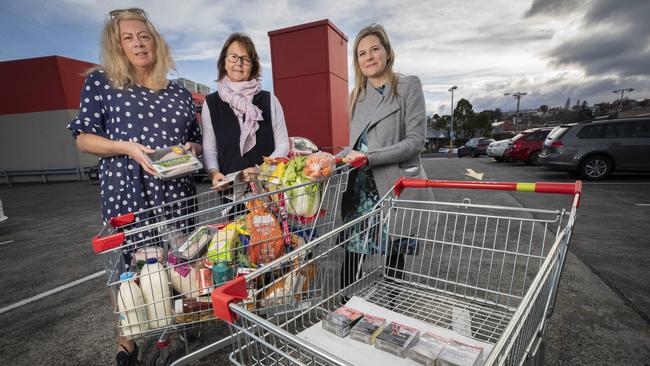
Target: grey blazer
396,134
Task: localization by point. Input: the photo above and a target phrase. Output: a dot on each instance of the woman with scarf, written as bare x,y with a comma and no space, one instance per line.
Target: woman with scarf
241,122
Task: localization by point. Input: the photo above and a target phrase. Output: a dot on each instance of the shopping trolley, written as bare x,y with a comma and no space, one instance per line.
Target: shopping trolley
163,262
496,266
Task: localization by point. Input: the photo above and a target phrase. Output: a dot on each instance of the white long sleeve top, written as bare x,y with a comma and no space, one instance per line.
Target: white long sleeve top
210,151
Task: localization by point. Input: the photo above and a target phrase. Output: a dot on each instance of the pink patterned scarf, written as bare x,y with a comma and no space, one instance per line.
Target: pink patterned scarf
239,95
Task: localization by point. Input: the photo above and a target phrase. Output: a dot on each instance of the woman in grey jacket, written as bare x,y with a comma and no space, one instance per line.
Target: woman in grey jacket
388,127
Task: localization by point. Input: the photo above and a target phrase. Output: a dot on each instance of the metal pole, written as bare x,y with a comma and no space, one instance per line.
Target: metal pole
517,120
451,126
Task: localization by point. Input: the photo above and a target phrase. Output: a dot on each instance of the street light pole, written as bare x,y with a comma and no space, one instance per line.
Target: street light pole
517,95
622,91
451,127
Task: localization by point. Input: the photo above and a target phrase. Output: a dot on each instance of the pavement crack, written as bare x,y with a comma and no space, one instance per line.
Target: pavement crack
609,284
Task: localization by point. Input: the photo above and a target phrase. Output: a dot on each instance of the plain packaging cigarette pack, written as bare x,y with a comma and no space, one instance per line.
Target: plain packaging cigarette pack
367,329
341,320
172,162
397,339
428,348
457,353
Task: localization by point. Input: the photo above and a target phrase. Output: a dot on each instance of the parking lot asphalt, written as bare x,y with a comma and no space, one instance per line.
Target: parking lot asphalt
601,314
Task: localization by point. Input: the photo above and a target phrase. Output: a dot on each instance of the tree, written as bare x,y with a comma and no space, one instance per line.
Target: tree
584,105
462,116
543,108
442,123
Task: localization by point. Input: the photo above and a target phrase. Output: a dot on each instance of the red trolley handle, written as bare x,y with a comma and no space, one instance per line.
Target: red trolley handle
538,187
231,291
108,239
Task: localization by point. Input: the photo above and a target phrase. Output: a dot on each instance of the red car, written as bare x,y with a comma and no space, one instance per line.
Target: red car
527,145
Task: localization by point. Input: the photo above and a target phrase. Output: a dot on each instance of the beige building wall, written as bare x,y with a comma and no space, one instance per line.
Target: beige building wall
40,140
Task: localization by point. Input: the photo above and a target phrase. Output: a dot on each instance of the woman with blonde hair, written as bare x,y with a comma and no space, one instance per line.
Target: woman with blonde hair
388,128
129,108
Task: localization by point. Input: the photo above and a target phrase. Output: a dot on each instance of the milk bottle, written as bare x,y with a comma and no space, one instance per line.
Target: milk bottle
133,318
157,294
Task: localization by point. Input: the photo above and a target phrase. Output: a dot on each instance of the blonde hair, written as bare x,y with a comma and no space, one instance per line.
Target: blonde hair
119,70
360,80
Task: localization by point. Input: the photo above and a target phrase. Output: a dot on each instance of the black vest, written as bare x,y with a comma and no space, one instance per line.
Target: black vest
227,131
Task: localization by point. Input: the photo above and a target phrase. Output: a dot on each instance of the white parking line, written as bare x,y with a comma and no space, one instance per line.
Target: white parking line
615,184
643,204
7,242
51,292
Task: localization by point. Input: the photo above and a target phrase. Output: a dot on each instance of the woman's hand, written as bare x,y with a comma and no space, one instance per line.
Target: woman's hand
250,174
136,152
217,178
195,148
354,156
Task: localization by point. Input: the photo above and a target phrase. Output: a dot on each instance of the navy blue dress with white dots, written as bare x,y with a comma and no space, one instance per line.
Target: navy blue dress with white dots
154,119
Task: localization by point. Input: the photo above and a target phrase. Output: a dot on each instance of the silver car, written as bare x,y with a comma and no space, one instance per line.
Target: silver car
496,149
596,149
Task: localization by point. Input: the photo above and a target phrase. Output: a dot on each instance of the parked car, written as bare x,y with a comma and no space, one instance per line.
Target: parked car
596,149
527,145
2,213
300,146
497,149
475,147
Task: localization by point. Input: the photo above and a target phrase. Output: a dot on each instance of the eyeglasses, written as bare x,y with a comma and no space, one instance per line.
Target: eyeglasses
231,57
116,12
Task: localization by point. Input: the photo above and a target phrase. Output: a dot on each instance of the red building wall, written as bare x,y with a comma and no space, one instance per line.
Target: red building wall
42,84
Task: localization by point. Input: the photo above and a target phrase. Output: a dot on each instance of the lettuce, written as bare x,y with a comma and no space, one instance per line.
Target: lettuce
302,201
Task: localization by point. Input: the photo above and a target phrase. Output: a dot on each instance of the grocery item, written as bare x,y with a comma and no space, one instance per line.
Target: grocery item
183,277
172,162
141,255
428,348
284,289
222,245
156,292
266,242
367,329
341,320
302,201
133,317
319,165
222,273
397,339
204,278
188,311
457,353
195,243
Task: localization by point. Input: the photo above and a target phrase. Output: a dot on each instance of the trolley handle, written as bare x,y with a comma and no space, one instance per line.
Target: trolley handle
108,238
222,296
538,187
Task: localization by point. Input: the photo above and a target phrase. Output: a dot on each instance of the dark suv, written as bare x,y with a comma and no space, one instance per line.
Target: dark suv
475,147
596,149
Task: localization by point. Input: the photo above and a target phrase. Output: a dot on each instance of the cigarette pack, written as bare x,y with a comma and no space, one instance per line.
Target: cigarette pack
458,353
367,329
428,348
341,320
397,339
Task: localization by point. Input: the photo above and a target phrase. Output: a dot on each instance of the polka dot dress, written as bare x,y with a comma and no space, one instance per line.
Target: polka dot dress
154,119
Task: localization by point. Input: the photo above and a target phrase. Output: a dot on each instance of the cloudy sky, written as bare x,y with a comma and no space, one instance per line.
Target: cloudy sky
552,49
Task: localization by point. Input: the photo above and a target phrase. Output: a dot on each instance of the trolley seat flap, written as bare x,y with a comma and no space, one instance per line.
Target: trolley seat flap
231,291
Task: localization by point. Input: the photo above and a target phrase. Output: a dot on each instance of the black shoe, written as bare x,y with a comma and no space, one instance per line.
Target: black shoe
124,358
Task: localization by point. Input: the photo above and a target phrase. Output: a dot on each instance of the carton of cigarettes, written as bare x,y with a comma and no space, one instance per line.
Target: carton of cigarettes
397,339
341,320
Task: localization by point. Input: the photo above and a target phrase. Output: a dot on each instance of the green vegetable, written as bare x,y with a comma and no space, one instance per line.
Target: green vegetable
301,201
